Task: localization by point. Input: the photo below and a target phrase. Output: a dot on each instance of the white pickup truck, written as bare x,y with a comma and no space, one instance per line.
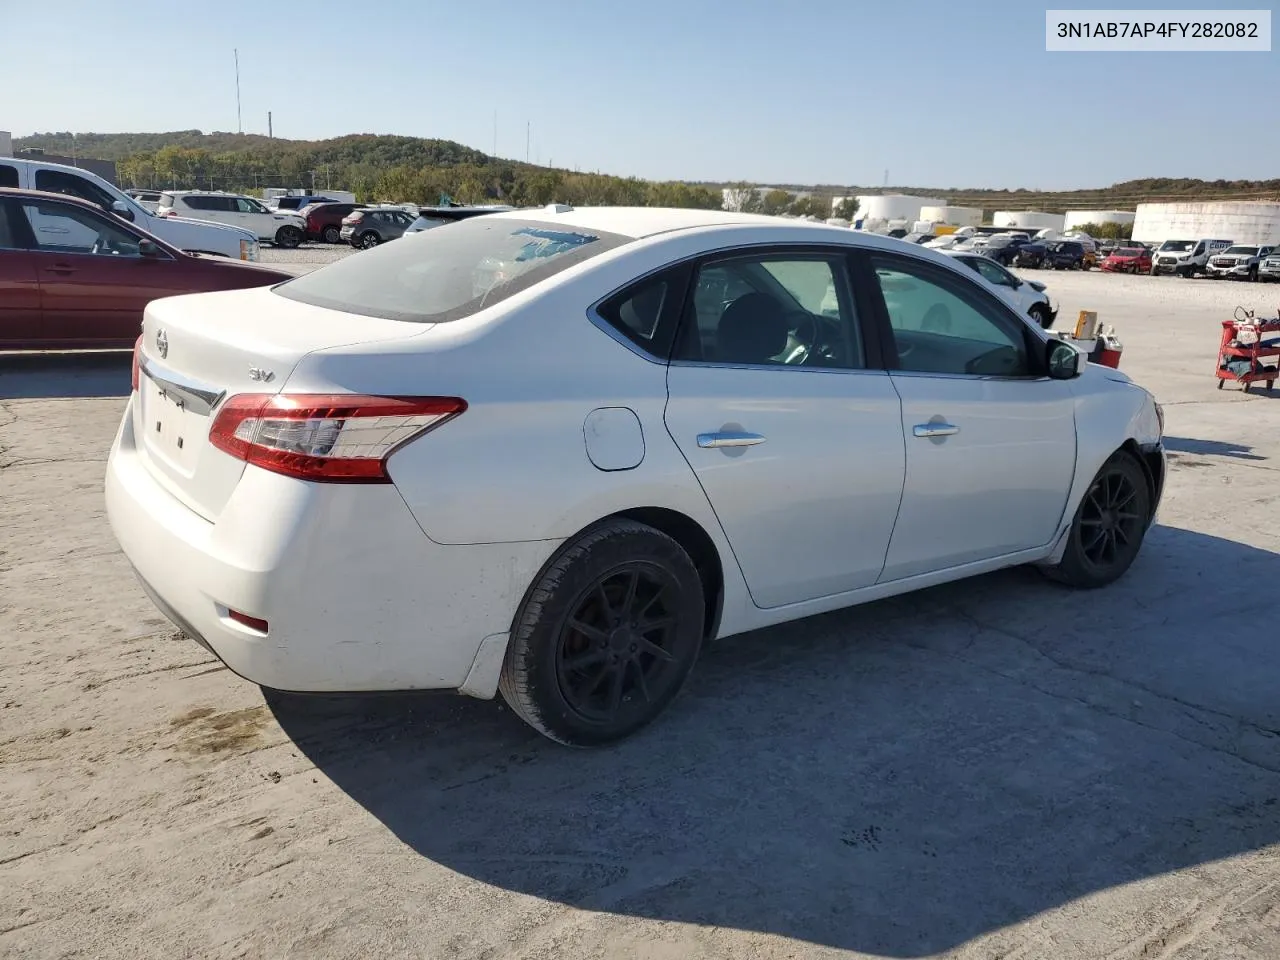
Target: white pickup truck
195,236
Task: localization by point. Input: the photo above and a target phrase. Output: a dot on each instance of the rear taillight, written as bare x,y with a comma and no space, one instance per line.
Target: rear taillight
353,218
326,437
137,361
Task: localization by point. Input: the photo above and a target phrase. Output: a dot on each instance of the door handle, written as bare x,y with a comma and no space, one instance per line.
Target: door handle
61,269
711,441
934,430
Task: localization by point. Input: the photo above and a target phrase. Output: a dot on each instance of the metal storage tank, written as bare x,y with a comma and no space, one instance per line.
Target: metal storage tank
1241,221
1028,220
1078,218
893,206
954,216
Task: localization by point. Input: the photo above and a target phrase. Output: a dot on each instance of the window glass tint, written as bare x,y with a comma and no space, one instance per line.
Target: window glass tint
992,272
941,325
440,275
60,228
635,313
8,241
55,181
8,176
784,310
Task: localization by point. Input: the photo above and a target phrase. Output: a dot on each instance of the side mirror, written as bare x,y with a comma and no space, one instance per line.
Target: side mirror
147,248
121,209
1064,362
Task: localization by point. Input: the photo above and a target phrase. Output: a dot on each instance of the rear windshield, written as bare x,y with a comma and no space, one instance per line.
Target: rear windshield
440,275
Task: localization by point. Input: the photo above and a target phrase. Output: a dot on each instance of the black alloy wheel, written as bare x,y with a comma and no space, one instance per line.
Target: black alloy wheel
617,648
606,636
1110,523
1109,526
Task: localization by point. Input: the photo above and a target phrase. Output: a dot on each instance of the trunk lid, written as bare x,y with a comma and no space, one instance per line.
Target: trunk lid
198,350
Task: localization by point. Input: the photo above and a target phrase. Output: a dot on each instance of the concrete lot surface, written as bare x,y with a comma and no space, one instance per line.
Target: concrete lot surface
997,768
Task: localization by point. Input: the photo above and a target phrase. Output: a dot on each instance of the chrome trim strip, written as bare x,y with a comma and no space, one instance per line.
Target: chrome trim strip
198,397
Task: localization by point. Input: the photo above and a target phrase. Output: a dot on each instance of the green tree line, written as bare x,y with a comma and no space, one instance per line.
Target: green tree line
414,172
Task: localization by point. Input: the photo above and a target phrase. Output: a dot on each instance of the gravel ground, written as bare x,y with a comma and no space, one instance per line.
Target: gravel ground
305,258
997,768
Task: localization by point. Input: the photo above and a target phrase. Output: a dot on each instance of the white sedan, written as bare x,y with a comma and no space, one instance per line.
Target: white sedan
1026,296
553,452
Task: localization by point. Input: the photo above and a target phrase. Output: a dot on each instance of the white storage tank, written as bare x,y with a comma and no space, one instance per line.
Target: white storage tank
1241,221
1028,220
952,216
893,206
1078,218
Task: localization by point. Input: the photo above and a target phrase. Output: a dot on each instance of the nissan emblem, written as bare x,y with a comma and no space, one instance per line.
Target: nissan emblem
162,343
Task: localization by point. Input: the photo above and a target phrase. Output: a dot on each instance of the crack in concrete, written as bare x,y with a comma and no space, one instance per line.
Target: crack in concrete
1239,723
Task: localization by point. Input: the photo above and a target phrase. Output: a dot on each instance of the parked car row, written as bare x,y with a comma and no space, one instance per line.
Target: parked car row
73,276
194,236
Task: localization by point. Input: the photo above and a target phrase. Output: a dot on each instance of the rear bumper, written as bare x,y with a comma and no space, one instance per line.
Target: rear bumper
356,596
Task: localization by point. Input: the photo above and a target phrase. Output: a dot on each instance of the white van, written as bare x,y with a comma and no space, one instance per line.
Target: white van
1186,258
194,236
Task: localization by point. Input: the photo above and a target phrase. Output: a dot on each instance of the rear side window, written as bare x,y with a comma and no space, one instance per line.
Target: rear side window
440,275
56,181
638,313
8,176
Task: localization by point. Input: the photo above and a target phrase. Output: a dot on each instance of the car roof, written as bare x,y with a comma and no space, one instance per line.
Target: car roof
18,194
640,222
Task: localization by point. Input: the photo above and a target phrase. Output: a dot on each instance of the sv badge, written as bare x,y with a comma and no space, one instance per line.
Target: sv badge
261,375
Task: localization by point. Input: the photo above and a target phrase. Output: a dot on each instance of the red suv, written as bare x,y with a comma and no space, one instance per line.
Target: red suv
324,220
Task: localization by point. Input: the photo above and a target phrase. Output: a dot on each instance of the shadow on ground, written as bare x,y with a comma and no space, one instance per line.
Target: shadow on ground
897,779
1237,451
47,376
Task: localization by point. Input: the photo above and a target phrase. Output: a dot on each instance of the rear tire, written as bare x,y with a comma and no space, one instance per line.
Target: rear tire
1109,526
581,667
368,240
288,237
331,235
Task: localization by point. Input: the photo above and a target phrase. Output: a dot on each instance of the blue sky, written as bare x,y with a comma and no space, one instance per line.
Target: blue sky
833,91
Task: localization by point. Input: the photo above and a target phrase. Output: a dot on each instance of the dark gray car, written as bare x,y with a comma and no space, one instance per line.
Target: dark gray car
368,228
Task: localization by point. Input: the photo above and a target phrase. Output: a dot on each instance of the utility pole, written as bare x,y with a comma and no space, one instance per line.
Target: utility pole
527,126
239,124
495,134
268,124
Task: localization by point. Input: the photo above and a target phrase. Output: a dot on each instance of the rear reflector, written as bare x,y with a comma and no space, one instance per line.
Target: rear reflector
336,438
253,623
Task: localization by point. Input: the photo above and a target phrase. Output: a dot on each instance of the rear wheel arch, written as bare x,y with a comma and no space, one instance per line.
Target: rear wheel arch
684,530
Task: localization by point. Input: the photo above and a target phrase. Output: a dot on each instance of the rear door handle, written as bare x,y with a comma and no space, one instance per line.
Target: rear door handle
934,430
61,269
711,441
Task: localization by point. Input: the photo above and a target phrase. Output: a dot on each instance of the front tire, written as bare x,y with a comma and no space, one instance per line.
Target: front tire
288,237
1040,314
1108,528
331,235
368,240
606,637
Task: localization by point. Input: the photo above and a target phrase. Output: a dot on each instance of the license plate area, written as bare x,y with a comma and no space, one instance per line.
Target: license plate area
173,432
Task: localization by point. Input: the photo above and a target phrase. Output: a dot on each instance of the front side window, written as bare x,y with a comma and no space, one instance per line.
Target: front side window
246,205
942,324
994,273
8,176
56,181
783,310
61,228
436,276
